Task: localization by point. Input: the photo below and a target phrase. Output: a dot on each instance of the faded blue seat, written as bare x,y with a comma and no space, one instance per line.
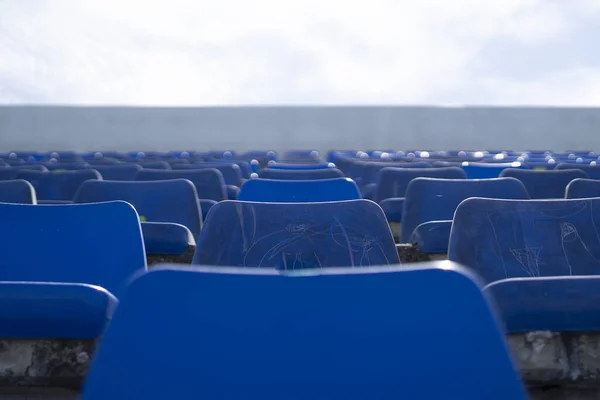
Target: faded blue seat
556,304
173,200
99,244
155,164
57,185
432,199
166,238
17,191
119,172
300,174
379,333
545,184
480,170
41,310
232,174
391,185
296,235
299,165
502,239
582,188
209,182
592,171
273,190
66,166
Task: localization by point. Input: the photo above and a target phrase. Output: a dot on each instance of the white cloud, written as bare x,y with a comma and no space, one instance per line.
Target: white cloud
186,52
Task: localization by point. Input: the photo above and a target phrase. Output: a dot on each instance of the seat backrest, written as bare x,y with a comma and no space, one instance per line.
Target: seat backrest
57,185
99,244
327,335
17,191
367,170
481,170
155,201
593,171
8,173
296,235
300,174
582,188
209,182
433,199
155,164
299,165
232,174
556,304
122,172
392,182
280,191
545,184
502,239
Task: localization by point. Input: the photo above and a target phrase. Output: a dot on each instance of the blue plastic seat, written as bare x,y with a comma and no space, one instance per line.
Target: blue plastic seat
481,170
502,239
432,199
280,191
98,244
58,185
391,186
122,172
582,188
209,182
592,171
17,191
174,200
41,310
300,174
155,164
66,166
556,304
299,165
296,235
545,184
376,334
232,174
166,238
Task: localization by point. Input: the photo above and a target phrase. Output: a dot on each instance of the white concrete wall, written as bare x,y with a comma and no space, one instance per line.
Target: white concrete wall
280,128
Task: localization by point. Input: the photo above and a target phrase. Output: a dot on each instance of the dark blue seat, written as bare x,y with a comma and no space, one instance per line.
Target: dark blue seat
8,173
174,200
273,190
296,235
300,174
432,237
299,165
391,186
592,171
66,166
545,184
17,191
166,238
376,334
155,164
122,172
58,185
209,182
480,170
502,239
557,304
432,199
582,188
41,310
232,174
99,244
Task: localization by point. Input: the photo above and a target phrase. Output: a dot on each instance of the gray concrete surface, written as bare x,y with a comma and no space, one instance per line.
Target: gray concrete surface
41,128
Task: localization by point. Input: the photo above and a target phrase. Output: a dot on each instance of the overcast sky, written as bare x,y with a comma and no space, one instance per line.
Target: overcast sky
193,52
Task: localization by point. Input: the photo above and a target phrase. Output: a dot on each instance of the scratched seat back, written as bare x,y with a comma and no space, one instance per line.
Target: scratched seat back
296,235
502,239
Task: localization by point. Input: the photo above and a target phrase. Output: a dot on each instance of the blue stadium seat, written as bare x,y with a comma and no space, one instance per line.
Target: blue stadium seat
99,244
166,238
433,199
17,191
122,172
232,174
502,239
556,304
381,333
209,182
299,166
155,164
432,237
593,171
582,188
42,310
174,200
391,186
8,173
300,174
71,166
296,235
58,185
273,190
481,170
545,184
